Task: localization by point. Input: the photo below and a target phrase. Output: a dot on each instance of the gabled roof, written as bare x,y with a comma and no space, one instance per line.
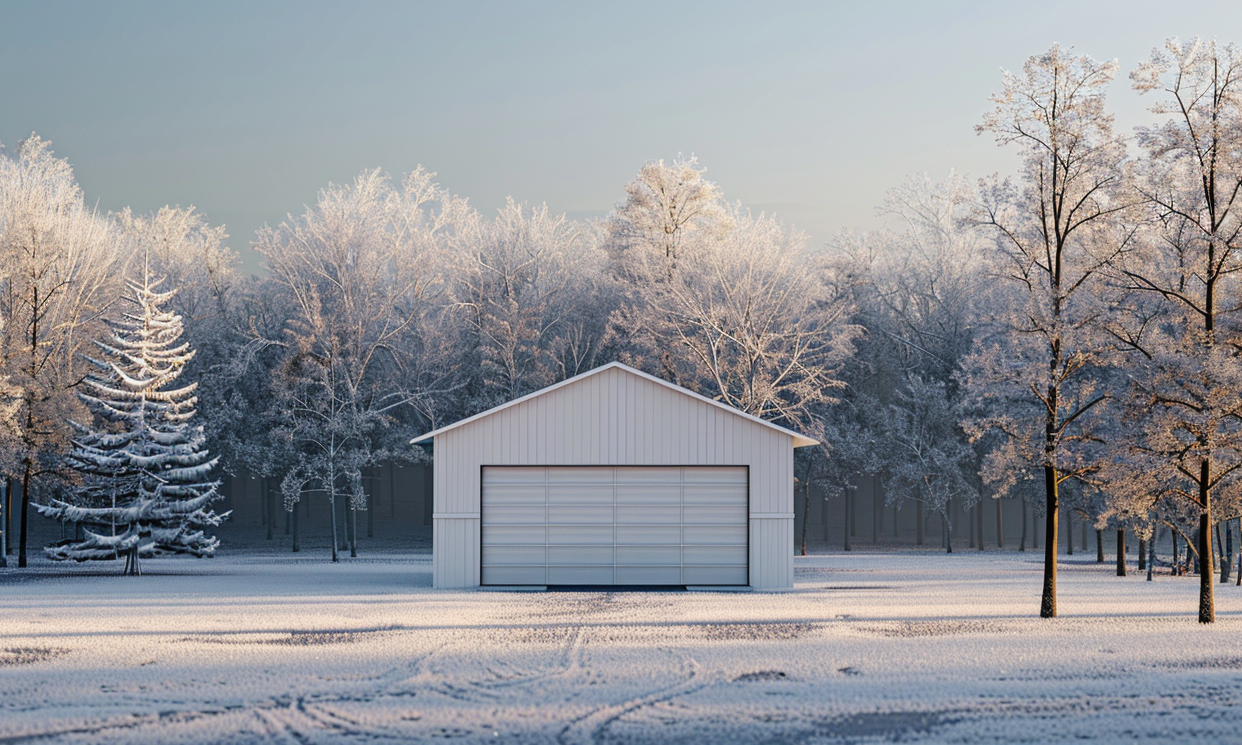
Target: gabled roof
799,440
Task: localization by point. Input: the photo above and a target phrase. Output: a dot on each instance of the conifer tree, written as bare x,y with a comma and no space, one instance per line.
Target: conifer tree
145,488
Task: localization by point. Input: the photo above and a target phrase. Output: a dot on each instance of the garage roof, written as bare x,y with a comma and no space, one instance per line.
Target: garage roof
799,440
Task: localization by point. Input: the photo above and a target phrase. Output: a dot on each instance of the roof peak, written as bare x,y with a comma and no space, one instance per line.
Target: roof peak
799,440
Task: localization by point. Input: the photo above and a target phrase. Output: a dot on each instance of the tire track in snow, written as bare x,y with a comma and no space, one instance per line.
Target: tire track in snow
593,727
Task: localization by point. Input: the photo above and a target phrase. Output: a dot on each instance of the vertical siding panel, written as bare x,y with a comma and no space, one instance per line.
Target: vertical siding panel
631,419
596,417
701,431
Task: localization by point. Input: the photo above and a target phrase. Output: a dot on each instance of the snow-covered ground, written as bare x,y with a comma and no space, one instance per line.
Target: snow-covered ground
870,647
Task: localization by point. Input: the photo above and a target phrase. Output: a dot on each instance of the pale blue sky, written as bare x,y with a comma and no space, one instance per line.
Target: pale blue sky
811,110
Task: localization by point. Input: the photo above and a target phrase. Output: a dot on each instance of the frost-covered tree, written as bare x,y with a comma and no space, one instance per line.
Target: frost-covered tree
753,319
524,293
190,255
59,264
922,298
1183,321
1054,235
360,274
146,485
668,208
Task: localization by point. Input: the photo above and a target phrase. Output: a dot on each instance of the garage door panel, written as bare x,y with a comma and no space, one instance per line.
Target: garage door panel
580,494
500,495
527,535
578,534
515,575
714,494
699,555
514,514
649,575
579,475
580,575
615,525
714,534
648,535
647,555
718,575
515,555
578,514
648,494
648,475
715,475
648,515
514,475
586,555
715,515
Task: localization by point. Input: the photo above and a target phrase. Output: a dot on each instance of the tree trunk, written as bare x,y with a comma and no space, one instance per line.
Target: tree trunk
1069,531
342,539
353,532
4,524
1121,552
1176,567
1022,540
979,522
852,496
21,546
1151,554
806,512
335,536
1226,563
1099,546
372,507
269,506
848,518
1207,598
1000,525
131,563
877,512
948,536
8,515
1048,601
1142,554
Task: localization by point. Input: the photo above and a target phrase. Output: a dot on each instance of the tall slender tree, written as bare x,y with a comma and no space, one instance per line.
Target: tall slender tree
1054,236
1185,324
59,262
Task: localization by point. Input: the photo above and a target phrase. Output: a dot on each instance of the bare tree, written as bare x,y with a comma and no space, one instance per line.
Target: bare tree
752,319
62,263
358,270
522,283
1186,326
1053,238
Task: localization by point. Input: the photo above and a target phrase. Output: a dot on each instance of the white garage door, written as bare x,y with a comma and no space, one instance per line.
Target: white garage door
614,526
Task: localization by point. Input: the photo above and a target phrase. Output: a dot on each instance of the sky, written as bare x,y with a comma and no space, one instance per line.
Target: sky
811,111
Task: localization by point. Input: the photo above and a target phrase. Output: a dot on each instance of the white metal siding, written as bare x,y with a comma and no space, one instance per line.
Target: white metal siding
614,526
614,418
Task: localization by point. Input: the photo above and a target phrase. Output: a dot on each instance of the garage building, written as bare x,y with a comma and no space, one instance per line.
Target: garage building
613,477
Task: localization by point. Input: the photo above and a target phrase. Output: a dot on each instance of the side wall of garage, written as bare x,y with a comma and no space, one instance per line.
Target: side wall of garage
612,418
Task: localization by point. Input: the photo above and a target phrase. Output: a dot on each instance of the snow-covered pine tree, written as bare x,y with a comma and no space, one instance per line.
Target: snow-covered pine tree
145,486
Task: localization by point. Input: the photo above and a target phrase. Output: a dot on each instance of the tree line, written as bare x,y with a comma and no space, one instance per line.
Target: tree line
1068,334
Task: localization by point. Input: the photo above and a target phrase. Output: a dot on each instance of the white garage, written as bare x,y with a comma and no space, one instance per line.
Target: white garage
613,477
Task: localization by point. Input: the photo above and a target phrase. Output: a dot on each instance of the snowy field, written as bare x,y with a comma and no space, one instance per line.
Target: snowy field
870,647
